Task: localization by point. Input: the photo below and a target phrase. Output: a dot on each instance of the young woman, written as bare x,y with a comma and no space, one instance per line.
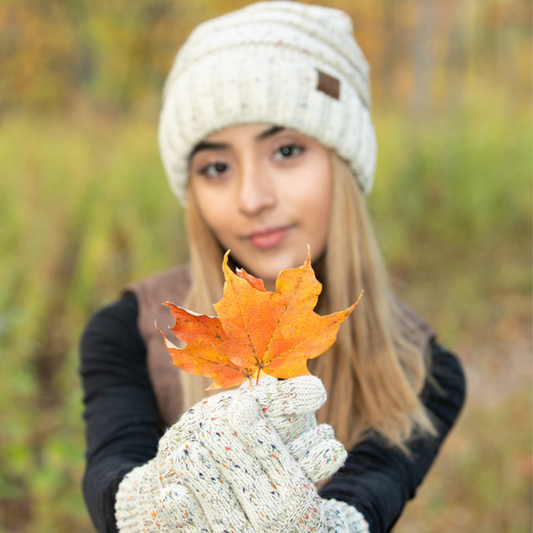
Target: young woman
266,135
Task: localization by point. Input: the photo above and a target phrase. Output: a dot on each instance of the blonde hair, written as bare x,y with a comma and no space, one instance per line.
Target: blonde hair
374,372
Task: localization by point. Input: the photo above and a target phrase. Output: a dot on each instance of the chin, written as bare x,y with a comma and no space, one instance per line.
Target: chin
271,267
267,264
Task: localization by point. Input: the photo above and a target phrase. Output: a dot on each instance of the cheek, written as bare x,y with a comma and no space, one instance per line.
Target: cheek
213,209
314,205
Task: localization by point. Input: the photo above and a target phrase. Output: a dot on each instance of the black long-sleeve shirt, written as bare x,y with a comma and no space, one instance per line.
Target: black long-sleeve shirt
123,426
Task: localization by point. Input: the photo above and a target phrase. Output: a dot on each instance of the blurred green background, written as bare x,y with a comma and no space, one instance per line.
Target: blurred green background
85,208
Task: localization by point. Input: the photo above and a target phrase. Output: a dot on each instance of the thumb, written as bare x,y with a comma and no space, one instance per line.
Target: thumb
290,405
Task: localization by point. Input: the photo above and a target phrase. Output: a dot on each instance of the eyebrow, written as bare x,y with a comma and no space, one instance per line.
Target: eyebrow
269,133
205,145
208,146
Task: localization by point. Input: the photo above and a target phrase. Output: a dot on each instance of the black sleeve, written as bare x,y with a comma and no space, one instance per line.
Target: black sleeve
122,422
378,480
123,426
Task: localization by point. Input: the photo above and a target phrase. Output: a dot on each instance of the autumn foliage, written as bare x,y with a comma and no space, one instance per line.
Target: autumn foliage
256,331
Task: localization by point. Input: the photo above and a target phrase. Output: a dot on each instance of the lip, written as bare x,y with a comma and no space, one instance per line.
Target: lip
267,238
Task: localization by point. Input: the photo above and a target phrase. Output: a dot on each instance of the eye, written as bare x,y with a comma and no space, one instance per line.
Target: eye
214,170
287,151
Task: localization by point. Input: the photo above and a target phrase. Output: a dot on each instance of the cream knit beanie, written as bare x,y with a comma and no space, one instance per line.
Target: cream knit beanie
282,63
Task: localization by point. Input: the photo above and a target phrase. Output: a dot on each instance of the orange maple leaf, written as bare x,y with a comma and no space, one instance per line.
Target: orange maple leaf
256,331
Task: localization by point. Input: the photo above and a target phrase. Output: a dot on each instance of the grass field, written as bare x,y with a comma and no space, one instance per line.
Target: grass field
85,208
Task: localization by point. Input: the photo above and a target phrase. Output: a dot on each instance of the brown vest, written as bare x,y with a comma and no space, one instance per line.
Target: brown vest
175,390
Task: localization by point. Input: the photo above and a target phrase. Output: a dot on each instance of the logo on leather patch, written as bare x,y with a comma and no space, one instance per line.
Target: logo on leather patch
328,85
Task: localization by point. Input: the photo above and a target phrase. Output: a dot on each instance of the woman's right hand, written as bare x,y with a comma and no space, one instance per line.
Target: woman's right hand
243,460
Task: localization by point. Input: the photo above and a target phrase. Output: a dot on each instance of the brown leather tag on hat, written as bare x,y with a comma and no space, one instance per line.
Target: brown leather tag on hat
328,85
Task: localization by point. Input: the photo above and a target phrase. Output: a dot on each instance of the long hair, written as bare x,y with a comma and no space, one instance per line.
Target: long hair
374,372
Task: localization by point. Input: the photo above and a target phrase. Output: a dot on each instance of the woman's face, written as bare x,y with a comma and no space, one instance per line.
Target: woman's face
265,193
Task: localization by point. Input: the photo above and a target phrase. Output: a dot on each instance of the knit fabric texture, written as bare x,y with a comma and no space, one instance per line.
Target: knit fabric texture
344,517
226,466
284,63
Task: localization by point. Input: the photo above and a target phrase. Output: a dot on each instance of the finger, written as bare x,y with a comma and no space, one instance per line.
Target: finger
196,469
263,446
318,453
248,454
291,427
354,521
273,491
324,460
335,521
304,442
180,508
296,396
290,405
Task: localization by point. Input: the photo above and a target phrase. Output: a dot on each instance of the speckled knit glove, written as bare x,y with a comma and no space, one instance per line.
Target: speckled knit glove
223,466
343,517
290,407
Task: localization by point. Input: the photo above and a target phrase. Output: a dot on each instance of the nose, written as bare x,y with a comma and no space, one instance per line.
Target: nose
256,192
